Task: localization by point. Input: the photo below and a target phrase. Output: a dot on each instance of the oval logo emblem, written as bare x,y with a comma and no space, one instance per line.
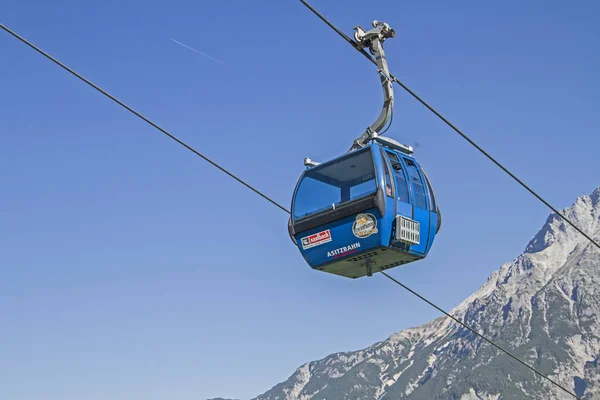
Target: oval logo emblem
365,225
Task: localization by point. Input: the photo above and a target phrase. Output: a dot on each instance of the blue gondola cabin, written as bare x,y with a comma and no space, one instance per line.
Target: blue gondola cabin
366,211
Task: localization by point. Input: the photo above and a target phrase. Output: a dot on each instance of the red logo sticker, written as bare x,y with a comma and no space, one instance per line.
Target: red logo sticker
316,239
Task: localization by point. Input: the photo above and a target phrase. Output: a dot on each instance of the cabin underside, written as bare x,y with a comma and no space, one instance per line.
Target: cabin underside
379,259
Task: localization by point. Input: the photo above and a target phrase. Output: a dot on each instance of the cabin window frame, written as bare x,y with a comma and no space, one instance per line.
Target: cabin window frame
433,203
402,173
387,174
414,186
341,204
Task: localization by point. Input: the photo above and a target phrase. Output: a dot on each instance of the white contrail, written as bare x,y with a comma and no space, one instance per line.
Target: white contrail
198,51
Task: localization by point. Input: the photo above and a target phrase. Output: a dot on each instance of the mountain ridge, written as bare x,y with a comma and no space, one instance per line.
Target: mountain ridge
542,306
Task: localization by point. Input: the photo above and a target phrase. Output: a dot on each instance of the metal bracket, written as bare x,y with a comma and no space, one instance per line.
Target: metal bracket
308,163
373,40
369,266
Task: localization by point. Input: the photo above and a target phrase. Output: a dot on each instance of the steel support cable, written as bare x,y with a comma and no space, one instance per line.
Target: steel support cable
141,116
433,110
242,182
496,162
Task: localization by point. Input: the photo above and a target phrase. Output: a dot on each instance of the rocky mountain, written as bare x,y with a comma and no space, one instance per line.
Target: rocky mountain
544,307
219,398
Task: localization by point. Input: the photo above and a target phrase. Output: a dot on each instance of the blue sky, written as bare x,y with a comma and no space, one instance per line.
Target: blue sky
133,269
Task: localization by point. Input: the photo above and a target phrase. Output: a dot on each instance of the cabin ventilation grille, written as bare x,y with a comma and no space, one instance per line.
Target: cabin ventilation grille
407,230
